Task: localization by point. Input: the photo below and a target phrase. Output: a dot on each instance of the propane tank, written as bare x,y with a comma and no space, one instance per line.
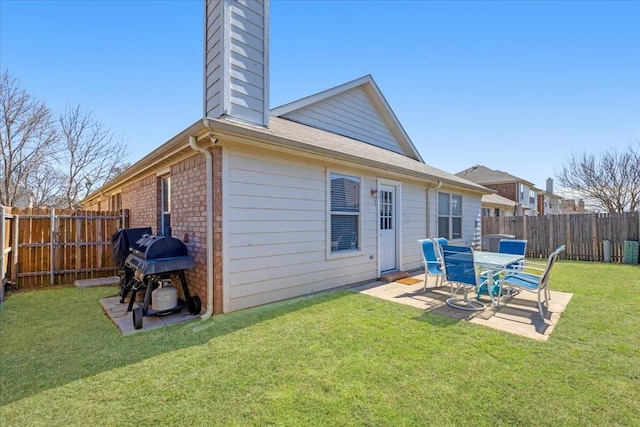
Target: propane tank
165,297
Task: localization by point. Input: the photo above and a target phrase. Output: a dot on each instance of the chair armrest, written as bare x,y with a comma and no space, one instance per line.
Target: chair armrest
535,269
537,264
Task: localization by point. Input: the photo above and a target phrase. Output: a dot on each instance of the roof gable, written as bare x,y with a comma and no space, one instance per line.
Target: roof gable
483,175
357,110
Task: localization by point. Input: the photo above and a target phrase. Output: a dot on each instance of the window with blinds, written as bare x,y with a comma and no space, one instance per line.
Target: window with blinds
345,213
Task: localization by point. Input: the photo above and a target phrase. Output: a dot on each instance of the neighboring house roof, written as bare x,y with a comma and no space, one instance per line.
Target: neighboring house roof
294,136
497,201
483,175
551,195
357,110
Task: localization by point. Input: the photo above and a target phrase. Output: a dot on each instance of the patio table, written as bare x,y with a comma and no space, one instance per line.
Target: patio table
492,261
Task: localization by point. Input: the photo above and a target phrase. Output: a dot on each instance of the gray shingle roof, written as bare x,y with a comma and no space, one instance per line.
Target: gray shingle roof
483,175
307,138
497,200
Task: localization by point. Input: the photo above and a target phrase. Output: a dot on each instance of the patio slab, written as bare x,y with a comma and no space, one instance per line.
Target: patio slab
117,312
98,281
519,316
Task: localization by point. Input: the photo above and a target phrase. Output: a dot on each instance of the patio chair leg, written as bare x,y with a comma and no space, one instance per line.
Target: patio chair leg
540,306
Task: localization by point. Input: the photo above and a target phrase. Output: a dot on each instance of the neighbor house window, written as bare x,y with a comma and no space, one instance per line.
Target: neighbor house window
521,191
450,216
345,212
165,205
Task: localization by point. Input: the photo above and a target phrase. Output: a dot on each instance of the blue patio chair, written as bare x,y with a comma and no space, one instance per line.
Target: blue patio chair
513,246
432,265
441,241
461,273
505,246
533,279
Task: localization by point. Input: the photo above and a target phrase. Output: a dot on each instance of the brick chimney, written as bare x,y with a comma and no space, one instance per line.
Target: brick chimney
236,60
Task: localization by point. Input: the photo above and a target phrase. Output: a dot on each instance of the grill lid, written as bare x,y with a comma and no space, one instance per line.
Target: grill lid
158,247
158,254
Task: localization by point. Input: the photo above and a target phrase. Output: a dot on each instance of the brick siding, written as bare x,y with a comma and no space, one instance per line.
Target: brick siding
188,217
510,190
141,198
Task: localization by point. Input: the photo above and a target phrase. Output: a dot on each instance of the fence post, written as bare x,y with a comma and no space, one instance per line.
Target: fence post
552,222
52,228
595,254
15,249
2,241
569,249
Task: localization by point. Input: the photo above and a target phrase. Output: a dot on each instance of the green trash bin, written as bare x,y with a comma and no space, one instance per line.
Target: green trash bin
631,252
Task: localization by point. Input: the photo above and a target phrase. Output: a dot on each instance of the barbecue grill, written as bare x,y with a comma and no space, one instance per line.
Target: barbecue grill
148,265
121,244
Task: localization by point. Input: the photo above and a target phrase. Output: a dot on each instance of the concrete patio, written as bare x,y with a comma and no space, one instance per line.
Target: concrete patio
517,315
117,312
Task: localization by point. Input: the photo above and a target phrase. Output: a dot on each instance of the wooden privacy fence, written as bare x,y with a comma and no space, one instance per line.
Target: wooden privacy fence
52,246
582,234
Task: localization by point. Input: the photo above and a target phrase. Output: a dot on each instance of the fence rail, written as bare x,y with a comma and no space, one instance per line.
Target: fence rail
582,234
51,246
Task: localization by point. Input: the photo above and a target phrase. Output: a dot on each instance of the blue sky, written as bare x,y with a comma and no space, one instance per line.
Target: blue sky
516,86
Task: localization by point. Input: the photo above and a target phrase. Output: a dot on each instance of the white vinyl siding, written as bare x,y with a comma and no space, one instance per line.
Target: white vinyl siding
276,231
277,227
350,114
414,224
236,80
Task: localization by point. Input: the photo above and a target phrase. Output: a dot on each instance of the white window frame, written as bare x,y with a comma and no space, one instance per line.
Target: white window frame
450,216
332,254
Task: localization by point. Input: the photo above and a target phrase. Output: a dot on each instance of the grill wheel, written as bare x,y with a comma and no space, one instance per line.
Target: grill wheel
137,318
194,304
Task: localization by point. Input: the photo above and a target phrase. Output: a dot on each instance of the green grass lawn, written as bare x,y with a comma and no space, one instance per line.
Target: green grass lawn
337,359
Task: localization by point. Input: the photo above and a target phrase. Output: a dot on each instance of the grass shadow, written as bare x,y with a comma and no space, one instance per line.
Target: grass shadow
56,336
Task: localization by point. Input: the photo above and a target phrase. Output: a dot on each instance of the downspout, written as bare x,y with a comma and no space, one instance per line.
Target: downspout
209,189
437,186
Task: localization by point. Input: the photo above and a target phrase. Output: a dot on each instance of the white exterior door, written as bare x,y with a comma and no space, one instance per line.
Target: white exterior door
387,227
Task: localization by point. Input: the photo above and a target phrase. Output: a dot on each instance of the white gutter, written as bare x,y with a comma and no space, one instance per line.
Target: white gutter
209,189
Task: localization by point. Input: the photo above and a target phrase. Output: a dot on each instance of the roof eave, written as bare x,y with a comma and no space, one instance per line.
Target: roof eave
166,150
223,128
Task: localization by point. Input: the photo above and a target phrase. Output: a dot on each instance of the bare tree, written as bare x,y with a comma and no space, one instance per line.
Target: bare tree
92,155
45,186
610,181
28,138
